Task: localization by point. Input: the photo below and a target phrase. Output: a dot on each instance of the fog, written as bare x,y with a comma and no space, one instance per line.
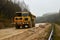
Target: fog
40,7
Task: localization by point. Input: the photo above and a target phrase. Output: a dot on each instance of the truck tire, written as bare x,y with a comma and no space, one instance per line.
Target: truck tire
17,27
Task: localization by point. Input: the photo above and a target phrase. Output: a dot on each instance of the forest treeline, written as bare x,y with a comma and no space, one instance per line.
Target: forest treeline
7,12
50,18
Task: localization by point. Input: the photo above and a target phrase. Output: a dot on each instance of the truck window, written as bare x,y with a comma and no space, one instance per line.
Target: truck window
18,14
25,14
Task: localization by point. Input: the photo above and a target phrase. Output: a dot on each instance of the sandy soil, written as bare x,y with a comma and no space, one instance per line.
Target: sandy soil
35,33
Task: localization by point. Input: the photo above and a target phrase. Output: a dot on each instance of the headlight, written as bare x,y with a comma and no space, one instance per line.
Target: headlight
25,23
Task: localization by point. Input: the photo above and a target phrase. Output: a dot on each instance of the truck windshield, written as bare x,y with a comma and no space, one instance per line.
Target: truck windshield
25,14
18,14
22,14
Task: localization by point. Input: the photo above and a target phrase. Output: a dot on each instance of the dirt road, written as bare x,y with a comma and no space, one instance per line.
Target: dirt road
10,31
24,34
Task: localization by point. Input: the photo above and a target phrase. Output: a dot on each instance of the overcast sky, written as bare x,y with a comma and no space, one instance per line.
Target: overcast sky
40,7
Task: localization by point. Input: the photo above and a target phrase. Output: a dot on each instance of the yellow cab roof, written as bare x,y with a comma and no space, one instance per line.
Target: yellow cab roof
22,12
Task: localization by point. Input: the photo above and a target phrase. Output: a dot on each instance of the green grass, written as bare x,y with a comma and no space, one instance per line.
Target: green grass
57,32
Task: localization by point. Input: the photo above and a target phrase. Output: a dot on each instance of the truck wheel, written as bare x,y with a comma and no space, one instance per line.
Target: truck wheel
26,26
17,27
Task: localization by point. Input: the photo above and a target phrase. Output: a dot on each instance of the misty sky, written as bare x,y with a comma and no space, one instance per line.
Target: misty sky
40,7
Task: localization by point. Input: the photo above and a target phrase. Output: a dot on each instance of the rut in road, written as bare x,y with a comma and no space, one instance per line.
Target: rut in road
29,33
10,31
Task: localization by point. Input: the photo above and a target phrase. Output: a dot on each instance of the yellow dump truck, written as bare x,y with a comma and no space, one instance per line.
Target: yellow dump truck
24,20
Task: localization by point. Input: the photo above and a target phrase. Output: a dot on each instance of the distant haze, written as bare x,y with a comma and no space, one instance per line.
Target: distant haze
40,7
